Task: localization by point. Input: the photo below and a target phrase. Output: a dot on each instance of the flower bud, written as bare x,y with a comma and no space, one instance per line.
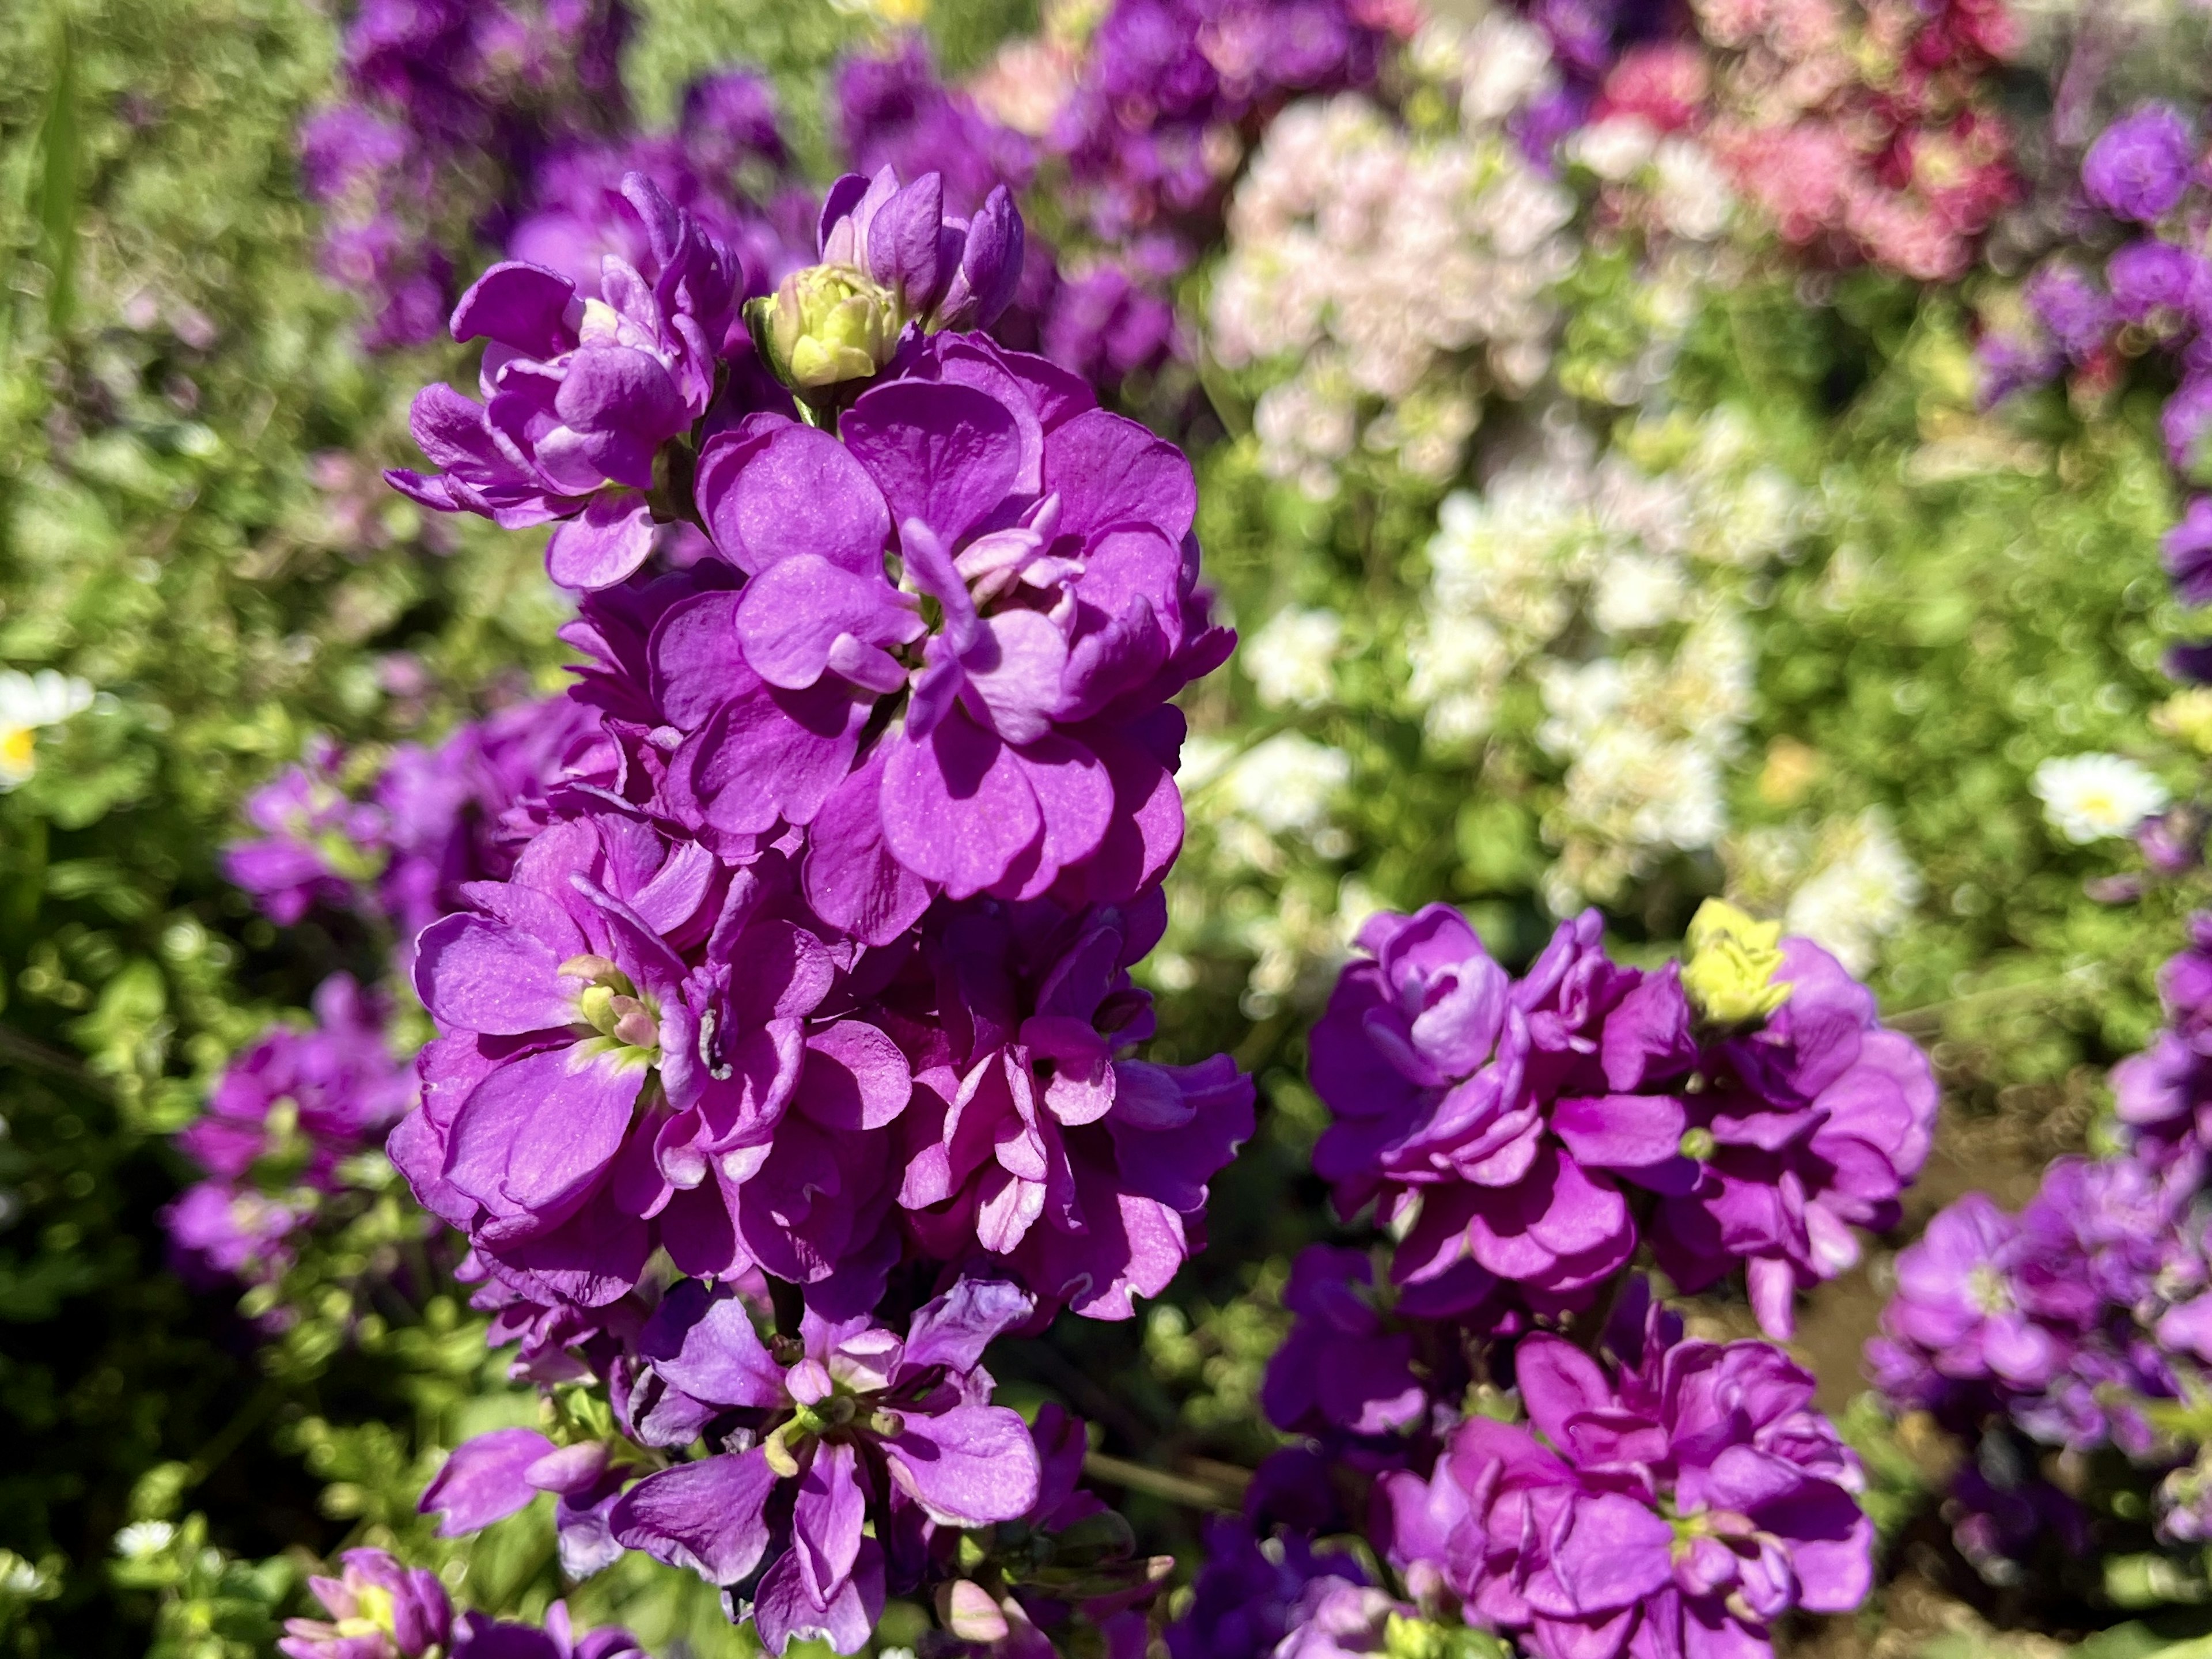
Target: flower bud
1728,975
825,325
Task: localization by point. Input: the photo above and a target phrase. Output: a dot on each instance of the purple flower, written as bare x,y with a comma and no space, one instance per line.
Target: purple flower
221,1230
381,1611
1049,606
1032,1137
2075,312
2139,167
2010,364
1681,1505
497,1474
298,1102
1339,1619
2155,281
1969,1293
1245,1603
2185,420
317,843
841,1428
2186,552
1342,1367
581,393
1804,1129
892,110
1509,1112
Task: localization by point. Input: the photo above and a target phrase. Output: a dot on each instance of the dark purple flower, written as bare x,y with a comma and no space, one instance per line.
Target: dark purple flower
2186,551
2155,281
2139,167
842,1428
581,393
892,110
1245,1602
2185,420
1341,1367
1681,1505
379,1610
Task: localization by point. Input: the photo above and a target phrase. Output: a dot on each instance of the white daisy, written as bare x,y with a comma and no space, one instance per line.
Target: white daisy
28,702
2090,797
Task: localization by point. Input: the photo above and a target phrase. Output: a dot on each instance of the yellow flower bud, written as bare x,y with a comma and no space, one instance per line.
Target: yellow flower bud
825,325
1729,974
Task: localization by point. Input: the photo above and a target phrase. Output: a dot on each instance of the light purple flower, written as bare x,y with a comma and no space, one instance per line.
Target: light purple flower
2076,314
2153,281
2140,165
1680,1505
846,1425
581,393
380,1610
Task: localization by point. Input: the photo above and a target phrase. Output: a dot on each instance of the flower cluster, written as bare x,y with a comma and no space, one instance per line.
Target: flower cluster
1370,259
1522,1138
392,836
1648,566
1863,129
435,92
280,1124
818,973
1682,1500
380,1610
2071,1320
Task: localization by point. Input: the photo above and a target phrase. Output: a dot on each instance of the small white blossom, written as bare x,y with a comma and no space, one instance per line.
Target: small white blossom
145,1538
29,702
1862,890
1616,147
2090,797
1292,661
1285,785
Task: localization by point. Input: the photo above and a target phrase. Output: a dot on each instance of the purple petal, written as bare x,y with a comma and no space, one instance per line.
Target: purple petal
518,305
749,478
942,454
708,1515
482,976
482,1481
537,1134
967,1467
955,807
826,1521
604,545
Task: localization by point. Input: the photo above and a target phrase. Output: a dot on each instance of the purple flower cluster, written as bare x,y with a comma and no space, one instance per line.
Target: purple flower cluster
379,1610
284,1116
1248,1604
1521,1138
435,90
1679,1502
394,844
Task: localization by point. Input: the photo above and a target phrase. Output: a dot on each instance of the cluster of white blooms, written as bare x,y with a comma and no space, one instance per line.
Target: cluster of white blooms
1374,256
1616,591
1846,884
1292,661
2090,797
1256,801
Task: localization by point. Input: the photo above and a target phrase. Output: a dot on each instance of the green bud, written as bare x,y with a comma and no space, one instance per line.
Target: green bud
1697,1144
1729,972
825,325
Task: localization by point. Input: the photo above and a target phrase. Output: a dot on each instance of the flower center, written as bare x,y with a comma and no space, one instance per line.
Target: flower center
1986,1289
624,1022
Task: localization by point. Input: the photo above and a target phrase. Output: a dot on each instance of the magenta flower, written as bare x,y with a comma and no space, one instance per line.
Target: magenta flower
1032,1138
1807,1128
1048,606
1510,1112
1680,1505
842,1427
381,1611
581,393
2140,165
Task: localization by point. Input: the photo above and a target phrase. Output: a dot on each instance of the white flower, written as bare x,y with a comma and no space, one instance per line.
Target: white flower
27,703
1292,661
1637,591
1862,891
2089,797
144,1538
1285,785
1693,197
1508,62
1615,146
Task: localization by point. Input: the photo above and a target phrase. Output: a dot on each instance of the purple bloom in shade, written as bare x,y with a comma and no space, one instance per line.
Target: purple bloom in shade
730,117
1806,1129
2140,165
2156,282
1997,1523
1507,1112
1030,1139
2072,309
377,1610
849,1426
581,393
2187,415
2161,1094
892,110
1969,1293
2186,552
297,1102
1679,1506
1105,325
1033,754
1245,1602
316,843
1341,1367
221,1230
2010,364
497,1474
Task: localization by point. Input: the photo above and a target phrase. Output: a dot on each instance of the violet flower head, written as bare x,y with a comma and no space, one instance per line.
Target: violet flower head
1047,606
2074,310
2186,552
2155,282
1969,1293
1682,1502
850,1425
317,846
221,1231
1342,1367
580,394
377,1610
2139,167
891,110
1246,1602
